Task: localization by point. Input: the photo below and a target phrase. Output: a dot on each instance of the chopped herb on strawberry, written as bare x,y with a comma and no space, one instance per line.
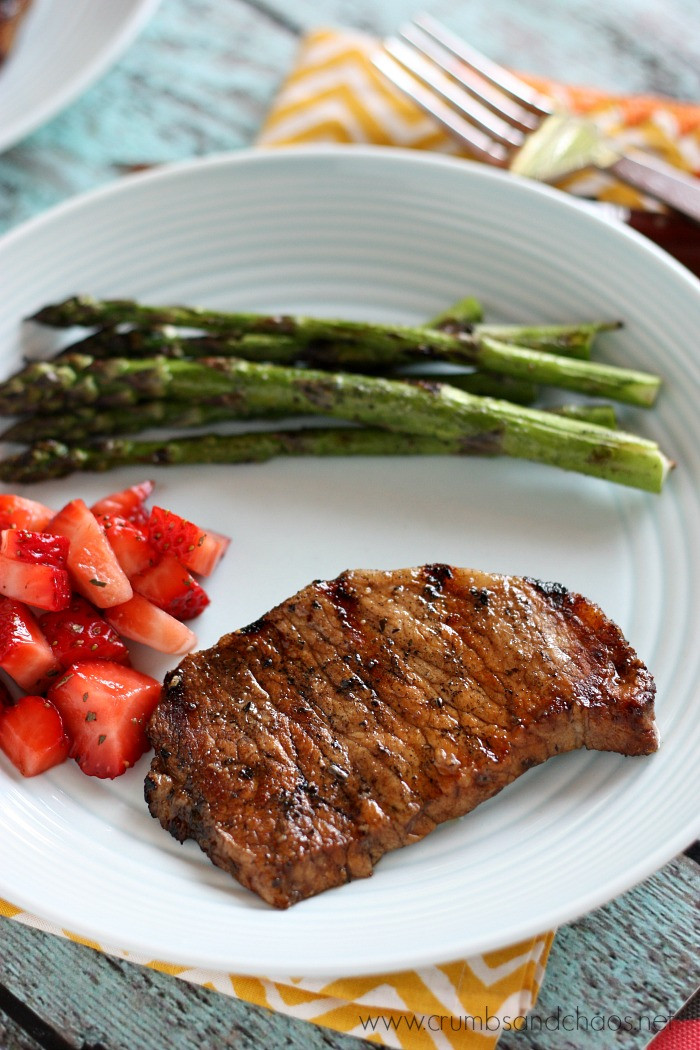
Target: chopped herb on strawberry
80,633
170,586
105,708
199,551
44,586
24,651
39,547
129,543
18,512
32,735
129,503
142,621
93,565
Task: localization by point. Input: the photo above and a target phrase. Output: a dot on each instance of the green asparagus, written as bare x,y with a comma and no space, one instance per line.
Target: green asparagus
347,344
54,459
85,421
564,340
602,415
80,379
460,315
166,341
434,410
88,421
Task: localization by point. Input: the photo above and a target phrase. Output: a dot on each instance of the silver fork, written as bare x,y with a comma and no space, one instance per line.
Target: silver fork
504,122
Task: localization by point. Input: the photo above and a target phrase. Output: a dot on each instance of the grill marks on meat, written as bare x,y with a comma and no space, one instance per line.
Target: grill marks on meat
365,710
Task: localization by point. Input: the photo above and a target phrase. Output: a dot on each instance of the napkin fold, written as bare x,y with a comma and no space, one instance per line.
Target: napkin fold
334,94
462,1004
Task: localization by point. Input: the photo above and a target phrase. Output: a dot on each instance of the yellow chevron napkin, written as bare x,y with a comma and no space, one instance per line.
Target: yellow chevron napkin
462,1004
334,94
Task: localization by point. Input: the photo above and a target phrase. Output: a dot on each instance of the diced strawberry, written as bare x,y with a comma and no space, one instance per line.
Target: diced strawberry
130,545
32,735
92,563
42,585
199,551
142,621
39,547
206,560
169,586
18,512
105,708
24,652
80,633
129,503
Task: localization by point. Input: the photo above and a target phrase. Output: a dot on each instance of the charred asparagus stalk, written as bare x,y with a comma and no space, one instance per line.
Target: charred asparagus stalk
85,421
53,459
430,410
601,415
460,315
79,379
89,421
565,340
351,344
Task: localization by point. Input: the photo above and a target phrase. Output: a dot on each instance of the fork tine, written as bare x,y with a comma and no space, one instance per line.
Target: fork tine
473,110
480,144
495,99
515,88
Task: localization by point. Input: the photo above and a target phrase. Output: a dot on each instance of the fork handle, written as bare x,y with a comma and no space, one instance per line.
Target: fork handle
659,180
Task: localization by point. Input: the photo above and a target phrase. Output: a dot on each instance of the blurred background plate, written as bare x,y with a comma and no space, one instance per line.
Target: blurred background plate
393,236
62,47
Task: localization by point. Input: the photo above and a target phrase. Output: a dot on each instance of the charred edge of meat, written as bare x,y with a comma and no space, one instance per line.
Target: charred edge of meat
438,573
555,592
256,627
344,601
612,646
436,577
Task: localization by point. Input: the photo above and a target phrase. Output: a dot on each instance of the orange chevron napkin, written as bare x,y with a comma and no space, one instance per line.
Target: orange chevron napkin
458,1005
334,94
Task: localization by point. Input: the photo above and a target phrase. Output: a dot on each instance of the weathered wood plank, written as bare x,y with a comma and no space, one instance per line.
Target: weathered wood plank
93,1000
622,45
13,1037
638,958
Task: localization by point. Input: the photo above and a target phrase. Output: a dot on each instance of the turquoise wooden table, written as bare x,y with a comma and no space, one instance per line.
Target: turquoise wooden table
199,79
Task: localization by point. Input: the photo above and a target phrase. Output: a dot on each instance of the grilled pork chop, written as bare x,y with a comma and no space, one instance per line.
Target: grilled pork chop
363,711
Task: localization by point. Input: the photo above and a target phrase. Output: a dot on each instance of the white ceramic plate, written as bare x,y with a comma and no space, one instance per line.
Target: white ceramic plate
62,47
384,235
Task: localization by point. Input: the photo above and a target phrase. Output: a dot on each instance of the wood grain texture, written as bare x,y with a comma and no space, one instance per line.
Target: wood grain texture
13,1037
621,45
635,958
93,1000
